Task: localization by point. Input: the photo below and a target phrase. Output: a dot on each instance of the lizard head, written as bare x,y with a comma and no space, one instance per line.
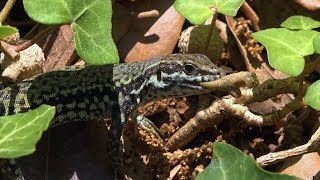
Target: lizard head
181,74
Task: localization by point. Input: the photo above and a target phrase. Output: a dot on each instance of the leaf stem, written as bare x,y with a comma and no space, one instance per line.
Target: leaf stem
6,10
302,88
39,36
12,51
212,26
309,68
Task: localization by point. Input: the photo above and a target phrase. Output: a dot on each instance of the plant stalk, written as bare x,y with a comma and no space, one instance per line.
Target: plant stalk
6,10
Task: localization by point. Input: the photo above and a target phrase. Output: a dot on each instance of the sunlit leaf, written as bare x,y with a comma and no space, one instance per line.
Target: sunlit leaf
19,133
300,22
287,48
312,97
229,163
90,21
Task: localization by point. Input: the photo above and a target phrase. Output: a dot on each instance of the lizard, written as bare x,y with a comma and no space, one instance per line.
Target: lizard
100,91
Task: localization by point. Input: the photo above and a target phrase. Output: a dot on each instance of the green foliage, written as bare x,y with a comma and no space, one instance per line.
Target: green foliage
19,133
228,8
316,43
229,163
198,11
300,22
90,21
7,31
287,48
312,97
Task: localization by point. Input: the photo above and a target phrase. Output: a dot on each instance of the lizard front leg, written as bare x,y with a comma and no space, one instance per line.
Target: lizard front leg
114,143
115,149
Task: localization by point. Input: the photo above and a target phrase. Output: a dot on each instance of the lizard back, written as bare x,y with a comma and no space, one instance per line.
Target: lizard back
77,93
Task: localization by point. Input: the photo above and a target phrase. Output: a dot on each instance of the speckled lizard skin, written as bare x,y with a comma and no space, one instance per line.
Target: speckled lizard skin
96,92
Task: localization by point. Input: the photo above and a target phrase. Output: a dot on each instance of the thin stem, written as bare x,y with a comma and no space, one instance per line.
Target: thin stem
6,10
39,36
34,30
309,68
301,87
278,115
212,26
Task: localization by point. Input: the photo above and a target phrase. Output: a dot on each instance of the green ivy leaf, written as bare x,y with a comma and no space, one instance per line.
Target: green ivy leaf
198,11
19,133
90,21
7,31
316,43
229,163
286,48
312,97
228,7
300,22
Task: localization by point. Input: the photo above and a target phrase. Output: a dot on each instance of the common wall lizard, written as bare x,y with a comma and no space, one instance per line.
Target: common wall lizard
95,92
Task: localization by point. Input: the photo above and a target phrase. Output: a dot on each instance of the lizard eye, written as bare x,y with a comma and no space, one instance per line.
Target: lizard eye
189,68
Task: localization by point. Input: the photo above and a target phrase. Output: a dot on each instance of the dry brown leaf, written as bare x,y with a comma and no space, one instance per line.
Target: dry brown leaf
147,39
251,15
305,167
58,48
312,5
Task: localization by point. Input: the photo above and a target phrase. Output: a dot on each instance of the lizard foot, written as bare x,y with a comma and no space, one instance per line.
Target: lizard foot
147,125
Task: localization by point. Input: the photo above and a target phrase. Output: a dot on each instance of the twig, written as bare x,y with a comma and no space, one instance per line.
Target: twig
39,36
313,145
282,113
232,106
12,51
6,10
194,126
233,81
212,26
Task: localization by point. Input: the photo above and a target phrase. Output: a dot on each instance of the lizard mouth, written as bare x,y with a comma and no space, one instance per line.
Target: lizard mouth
208,78
195,83
189,81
